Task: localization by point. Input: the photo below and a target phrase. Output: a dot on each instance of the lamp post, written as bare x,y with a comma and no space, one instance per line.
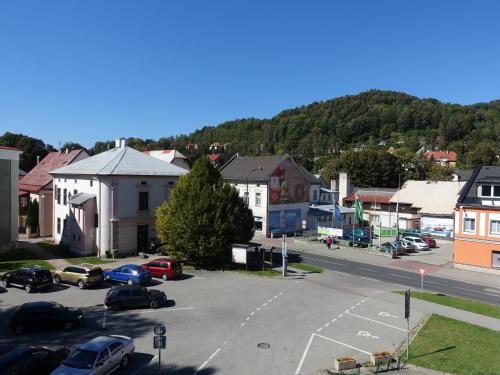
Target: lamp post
259,168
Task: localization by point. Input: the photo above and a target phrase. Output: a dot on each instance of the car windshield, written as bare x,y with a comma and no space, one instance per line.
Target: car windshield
418,240
81,358
42,273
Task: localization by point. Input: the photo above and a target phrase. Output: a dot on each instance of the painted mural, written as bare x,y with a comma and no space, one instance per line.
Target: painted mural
288,185
284,221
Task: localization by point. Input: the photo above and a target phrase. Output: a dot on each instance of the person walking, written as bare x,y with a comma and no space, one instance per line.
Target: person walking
328,242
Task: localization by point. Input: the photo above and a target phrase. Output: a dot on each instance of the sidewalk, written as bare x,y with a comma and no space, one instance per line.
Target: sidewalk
43,254
377,258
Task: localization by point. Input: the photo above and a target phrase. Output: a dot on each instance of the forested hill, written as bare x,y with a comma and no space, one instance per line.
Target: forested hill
367,118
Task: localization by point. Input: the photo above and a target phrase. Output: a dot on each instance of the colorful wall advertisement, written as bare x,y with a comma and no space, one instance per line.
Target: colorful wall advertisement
288,184
437,226
284,221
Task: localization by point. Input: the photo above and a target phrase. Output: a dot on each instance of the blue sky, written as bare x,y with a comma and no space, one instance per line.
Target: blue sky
93,70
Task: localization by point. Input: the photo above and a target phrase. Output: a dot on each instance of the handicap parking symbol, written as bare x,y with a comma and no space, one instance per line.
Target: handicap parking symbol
367,334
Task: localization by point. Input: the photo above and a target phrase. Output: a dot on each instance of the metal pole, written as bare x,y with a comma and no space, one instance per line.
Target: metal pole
407,338
159,359
421,285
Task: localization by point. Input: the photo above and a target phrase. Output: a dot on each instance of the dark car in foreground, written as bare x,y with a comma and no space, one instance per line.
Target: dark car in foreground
131,296
357,237
29,360
29,278
128,273
394,248
101,355
44,315
165,268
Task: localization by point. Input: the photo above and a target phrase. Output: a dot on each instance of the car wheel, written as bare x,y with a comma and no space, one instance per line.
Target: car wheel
27,288
57,279
115,307
124,361
67,326
155,304
81,284
164,277
19,329
130,282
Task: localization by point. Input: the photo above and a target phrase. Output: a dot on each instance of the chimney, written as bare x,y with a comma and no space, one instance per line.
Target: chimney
120,143
67,150
345,186
38,159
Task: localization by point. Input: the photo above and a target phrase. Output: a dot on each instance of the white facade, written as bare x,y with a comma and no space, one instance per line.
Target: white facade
257,201
9,201
113,218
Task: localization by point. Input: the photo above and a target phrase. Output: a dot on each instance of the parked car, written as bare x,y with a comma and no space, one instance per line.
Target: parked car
418,242
101,355
356,237
408,246
44,315
128,273
28,360
29,278
164,268
82,275
393,247
129,296
431,242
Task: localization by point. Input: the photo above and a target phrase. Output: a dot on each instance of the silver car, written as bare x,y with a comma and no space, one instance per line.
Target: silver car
417,241
408,246
101,355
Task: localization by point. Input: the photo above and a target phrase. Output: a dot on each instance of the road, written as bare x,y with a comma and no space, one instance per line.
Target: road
403,278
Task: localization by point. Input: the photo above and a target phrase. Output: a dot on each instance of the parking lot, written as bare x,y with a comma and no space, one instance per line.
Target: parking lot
229,323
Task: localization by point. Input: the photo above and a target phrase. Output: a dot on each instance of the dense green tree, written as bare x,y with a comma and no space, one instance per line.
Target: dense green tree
31,148
32,215
72,146
440,172
203,217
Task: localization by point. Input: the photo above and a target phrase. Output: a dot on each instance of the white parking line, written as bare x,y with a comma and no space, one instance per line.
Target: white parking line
344,344
247,319
258,308
242,324
304,354
208,360
376,321
147,311
252,313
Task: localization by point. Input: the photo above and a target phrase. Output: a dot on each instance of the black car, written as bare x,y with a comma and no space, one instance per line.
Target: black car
45,315
30,279
27,360
127,296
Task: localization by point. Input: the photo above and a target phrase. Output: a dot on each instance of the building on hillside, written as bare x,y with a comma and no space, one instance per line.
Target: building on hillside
462,174
276,188
477,222
378,209
37,185
108,201
172,157
9,179
322,215
192,146
216,147
214,158
442,157
433,202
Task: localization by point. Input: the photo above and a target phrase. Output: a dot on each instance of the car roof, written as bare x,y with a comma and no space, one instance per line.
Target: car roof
99,343
36,305
133,286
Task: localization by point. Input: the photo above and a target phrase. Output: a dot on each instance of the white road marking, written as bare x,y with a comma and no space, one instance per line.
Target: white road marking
359,303
432,282
252,313
367,269
333,320
327,324
247,319
347,311
403,277
364,300
342,343
340,315
367,334
225,342
150,311
369,278
376,321
258,308
496,291
275,297
242,324
269,300
399,285
208,360
280,293
264,304
343,273
383,313
304,354
475,291
353,307
199,278
319,329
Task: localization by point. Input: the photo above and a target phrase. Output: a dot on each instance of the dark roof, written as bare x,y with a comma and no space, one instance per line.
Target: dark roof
480,175
39,176
371,195
464,174
258,168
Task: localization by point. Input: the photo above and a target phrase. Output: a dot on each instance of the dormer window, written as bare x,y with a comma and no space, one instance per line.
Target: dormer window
490,191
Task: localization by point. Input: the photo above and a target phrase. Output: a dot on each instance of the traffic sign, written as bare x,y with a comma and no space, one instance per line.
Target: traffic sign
159,342
160,329
421,271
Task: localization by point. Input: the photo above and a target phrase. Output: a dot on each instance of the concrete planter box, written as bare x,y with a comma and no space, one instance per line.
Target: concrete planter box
378,359
342,364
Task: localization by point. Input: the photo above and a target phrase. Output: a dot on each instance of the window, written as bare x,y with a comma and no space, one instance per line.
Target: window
143,200
103,357
469,224
171,183
58,195
58,225
96,220
245,198
495,227
257,199
315,195
496,191
65,196
375,206
75,192
486,190
115,347
91,182
65,227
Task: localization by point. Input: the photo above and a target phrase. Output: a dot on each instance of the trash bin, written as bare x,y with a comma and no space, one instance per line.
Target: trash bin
114,252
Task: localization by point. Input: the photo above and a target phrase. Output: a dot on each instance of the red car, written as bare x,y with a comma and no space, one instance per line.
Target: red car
431,242
164,268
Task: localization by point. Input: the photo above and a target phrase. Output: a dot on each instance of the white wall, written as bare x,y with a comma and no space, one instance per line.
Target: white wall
260,211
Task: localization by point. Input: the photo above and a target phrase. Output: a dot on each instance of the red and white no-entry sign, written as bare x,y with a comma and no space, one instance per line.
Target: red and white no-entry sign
421,271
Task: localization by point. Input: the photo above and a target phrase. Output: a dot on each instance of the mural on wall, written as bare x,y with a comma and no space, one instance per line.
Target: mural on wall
284,220
288,185
437,226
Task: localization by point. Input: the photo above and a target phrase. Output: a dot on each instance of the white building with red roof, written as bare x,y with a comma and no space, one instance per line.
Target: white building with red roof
37,185
9,177
442,157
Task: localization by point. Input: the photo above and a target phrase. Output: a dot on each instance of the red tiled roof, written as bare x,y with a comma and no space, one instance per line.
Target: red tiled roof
39,176
8,148
214,157
371,197
438,155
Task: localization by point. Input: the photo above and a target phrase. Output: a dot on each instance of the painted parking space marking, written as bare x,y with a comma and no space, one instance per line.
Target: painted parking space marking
208,360
376,321
383,313
367,334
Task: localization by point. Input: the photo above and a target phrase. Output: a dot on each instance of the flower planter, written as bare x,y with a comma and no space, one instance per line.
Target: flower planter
342,364
380,358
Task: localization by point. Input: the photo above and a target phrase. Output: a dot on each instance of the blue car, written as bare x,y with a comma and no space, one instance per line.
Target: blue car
128,273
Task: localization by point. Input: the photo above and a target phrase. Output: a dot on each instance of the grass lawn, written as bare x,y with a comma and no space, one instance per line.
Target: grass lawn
306,267
17,258
63,253
266,273
459,303
456,347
